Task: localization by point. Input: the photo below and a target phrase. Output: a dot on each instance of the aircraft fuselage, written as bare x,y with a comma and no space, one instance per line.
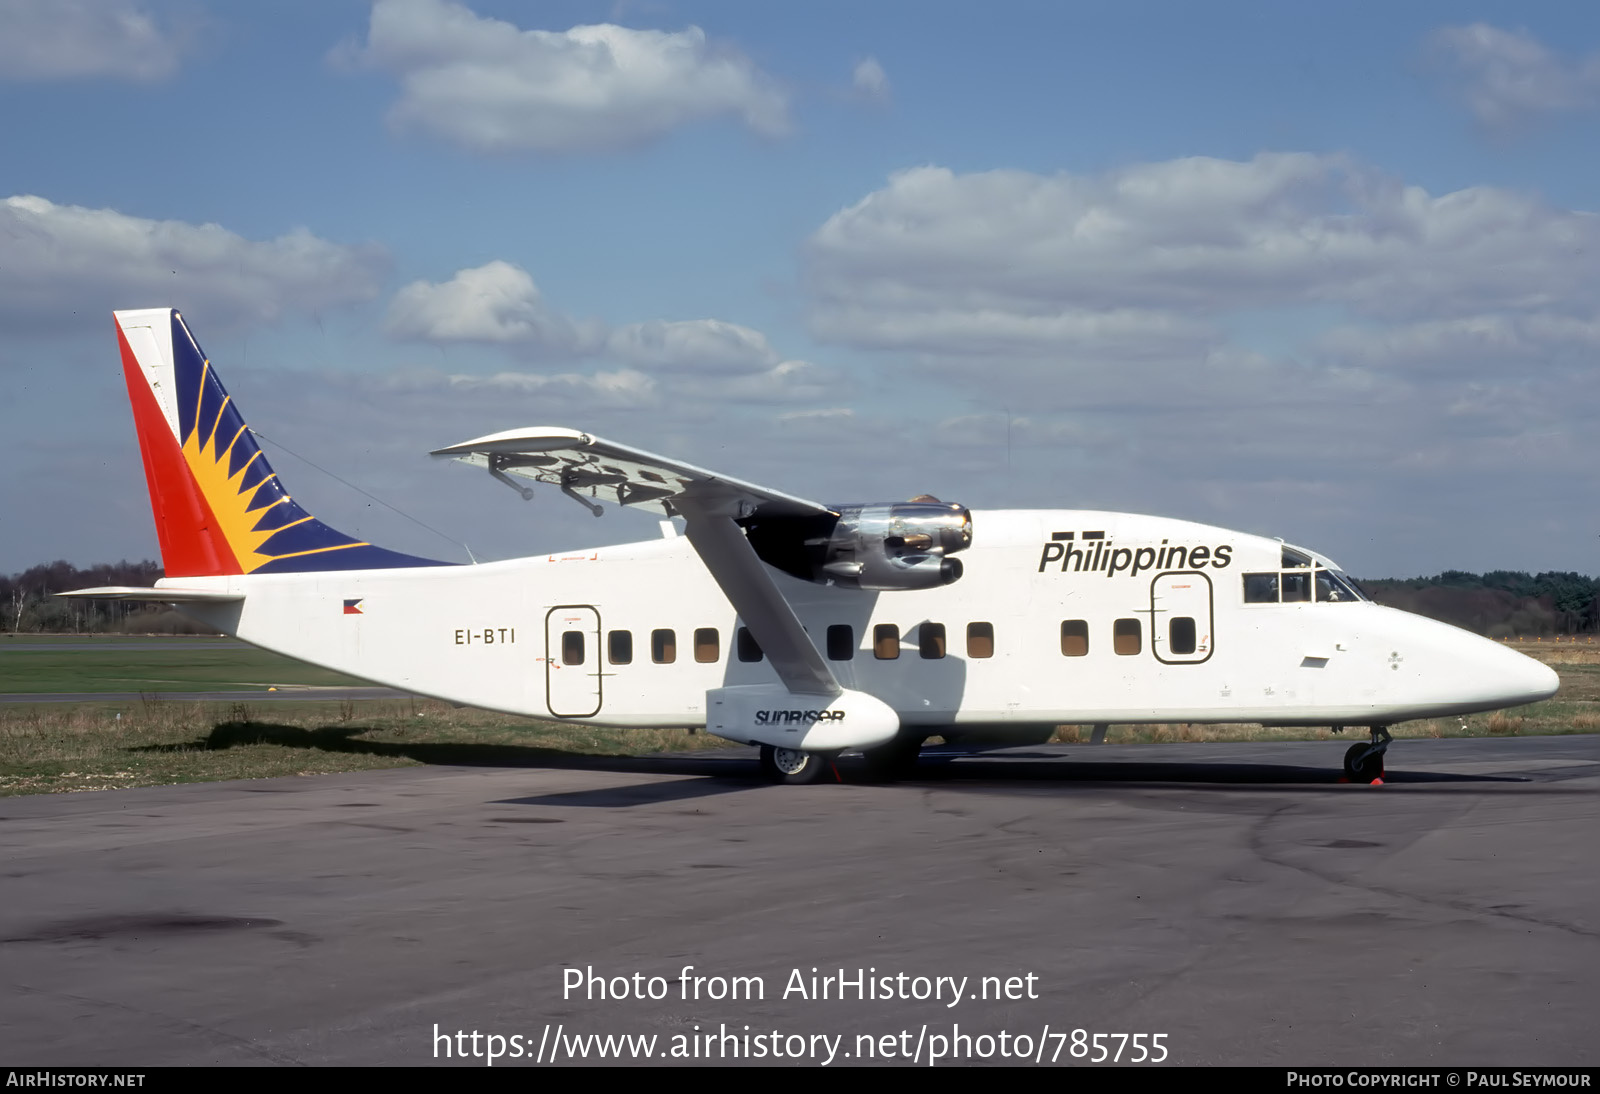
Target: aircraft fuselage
1061,617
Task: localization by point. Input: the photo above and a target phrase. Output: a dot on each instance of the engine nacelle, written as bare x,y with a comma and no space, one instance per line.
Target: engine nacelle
906,545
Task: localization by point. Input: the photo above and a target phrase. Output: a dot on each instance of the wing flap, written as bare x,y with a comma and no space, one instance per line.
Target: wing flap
620,473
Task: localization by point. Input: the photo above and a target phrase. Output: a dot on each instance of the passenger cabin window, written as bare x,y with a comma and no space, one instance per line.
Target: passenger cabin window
663,647
1180,635
980,640
886,641
930,641
1074,637
619,647
572,647
841,642
749,648
707,645
1126,637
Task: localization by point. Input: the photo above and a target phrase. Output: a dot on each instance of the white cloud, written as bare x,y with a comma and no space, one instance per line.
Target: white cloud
491,87
585,393
708,360
57,261
1288,344
496,303
623,388
697,345
1151,261
785,383
821,414
499,304
1493,343
84,39
993,328
869,80
1506,77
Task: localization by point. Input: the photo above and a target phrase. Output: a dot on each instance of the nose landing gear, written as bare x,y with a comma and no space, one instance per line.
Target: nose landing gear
1364,763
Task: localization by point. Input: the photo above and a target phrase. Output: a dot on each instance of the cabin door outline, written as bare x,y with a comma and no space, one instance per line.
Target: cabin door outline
1181,594
572,689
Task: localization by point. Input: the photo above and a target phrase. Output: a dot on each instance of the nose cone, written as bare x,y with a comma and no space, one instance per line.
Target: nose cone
1507,678
1526,680
1440,669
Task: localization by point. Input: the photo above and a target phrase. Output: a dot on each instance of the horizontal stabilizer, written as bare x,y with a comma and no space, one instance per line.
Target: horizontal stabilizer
155,596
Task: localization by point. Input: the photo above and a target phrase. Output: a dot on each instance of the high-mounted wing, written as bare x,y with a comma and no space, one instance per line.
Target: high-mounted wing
709,503
742,532
581,463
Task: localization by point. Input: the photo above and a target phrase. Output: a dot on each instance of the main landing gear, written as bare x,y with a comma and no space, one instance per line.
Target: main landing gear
793,767
1364,763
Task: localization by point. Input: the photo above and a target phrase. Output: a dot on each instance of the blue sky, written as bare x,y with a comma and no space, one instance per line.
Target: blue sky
1321,272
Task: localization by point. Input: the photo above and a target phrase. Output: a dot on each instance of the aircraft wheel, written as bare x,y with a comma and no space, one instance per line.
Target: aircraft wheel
895,760
791,766
1359,771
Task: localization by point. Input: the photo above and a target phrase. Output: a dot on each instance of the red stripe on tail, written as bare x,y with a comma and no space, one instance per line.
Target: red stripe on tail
192,544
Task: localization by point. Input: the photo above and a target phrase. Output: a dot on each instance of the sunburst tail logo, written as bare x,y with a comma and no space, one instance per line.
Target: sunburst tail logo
219,506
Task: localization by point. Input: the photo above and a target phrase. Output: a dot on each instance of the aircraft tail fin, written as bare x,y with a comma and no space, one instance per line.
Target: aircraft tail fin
219,507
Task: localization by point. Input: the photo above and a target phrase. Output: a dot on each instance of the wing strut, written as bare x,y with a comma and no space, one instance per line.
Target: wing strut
749,587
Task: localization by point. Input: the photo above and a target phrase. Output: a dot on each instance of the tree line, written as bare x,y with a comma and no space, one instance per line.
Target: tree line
1500,603
28,604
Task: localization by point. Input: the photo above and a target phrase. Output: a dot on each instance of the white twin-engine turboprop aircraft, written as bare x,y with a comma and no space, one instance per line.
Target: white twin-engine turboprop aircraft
806,629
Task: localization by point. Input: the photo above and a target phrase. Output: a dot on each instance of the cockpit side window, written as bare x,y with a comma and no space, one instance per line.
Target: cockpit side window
1295,560
1260,588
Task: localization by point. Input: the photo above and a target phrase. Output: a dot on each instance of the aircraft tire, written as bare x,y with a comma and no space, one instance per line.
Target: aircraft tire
893,761
1357,771
792,767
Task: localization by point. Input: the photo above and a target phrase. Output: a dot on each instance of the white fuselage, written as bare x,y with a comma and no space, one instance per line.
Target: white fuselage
500,635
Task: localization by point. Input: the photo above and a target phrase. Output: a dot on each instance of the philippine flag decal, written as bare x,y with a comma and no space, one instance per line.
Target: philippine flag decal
353,607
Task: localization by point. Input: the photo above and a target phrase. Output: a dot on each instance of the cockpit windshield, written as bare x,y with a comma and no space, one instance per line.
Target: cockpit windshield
1300,582
1332,588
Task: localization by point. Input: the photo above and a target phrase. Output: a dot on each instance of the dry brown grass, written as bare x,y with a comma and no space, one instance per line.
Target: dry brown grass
1501,722
93,746
1576,709
1579,650
87,746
